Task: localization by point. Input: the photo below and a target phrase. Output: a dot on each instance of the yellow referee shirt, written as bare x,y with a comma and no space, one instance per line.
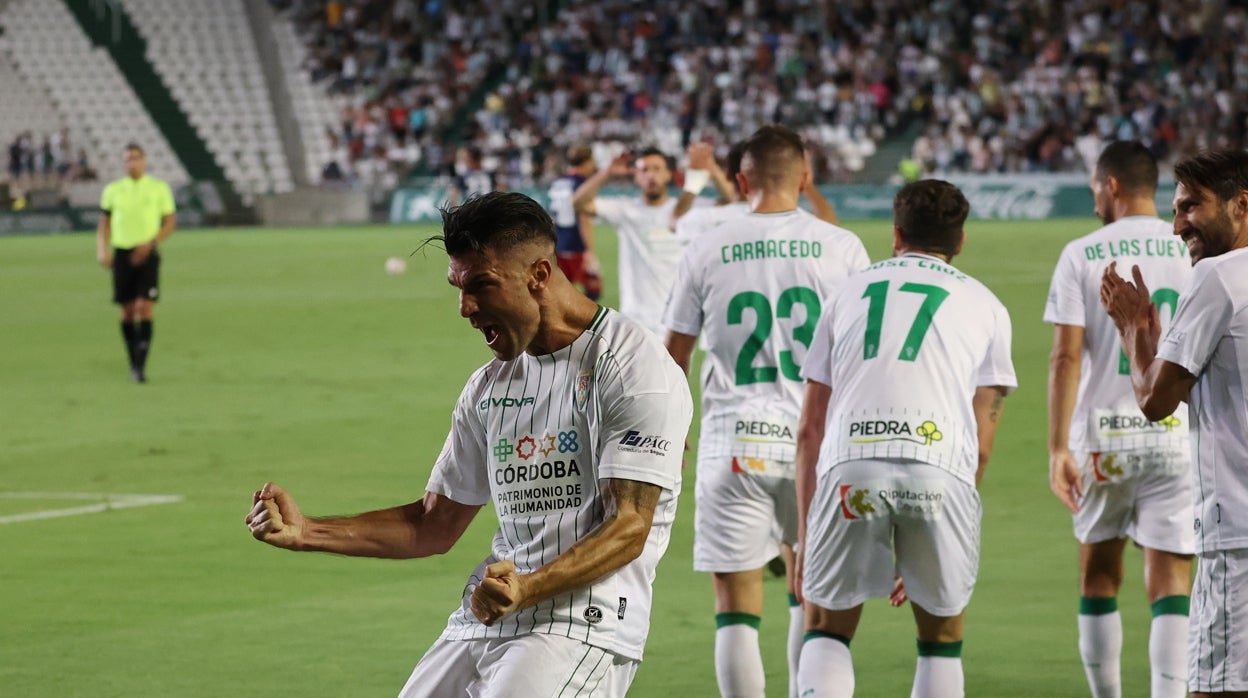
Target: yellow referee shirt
135,208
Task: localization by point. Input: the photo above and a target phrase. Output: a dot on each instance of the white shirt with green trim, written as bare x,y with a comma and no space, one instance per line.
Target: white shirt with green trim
754,288
1209,338
904,345
648,256
534,436
1107,418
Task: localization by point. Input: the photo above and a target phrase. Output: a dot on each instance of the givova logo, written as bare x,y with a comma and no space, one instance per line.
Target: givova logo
505,402
879,430
856,505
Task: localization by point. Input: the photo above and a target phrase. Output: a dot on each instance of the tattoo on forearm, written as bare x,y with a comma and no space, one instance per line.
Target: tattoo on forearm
994,411
642,496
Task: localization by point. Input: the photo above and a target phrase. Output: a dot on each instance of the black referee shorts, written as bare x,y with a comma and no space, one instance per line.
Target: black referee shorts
132,282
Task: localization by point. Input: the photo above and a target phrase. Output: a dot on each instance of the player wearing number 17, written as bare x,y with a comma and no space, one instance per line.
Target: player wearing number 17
917,354
1121,475
754,289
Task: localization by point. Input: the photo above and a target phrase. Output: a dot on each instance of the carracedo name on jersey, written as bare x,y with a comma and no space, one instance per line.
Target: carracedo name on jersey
870,499
753,430
770,249
635,442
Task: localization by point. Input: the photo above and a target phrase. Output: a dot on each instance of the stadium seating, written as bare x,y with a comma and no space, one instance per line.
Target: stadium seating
52,57
206,54
316,112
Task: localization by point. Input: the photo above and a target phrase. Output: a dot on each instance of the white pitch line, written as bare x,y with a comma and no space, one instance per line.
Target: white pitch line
111,501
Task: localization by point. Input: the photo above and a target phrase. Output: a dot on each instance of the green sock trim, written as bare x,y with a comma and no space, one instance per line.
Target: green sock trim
793,601
940,649
1172,605
819,634
1097,605
734,618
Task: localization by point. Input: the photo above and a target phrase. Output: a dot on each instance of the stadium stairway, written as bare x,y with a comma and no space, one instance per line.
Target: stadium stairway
889,153
108,25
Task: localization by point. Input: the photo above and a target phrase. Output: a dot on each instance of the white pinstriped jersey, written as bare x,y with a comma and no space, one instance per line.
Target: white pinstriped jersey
649,253
1209,338
535,435
1107,418
754,290
904,345
705,219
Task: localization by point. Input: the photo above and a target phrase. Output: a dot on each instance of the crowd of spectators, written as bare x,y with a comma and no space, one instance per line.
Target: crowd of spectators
982,86
46,162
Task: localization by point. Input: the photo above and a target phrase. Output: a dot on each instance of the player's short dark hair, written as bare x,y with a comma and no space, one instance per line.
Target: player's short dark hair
734,159
772,151
579,155
667,159
496,220
135,147
1132,164
930,214
1223,172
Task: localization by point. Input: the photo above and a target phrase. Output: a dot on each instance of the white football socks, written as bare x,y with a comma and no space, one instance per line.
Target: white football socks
1100,647
738,660
1167,655
826,669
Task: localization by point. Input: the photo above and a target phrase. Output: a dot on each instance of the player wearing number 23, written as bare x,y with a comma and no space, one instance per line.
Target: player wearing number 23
753,288
917,355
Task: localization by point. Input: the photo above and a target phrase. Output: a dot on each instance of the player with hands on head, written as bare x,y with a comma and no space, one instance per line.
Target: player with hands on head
573,433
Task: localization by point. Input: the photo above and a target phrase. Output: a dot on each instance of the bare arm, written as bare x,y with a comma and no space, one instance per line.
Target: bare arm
680,346
583,197
989,402
1064,370
819,204
428,526
167,223
628,513
103,240
1158,384
810,431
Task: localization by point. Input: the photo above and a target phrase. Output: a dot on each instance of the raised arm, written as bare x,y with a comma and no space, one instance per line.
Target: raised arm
1064,370
1158,384
989,402
621,537
583,197
428,526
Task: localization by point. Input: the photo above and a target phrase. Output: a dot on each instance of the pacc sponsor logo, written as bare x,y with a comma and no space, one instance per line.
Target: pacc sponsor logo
505,402
634,441
879,430
768,431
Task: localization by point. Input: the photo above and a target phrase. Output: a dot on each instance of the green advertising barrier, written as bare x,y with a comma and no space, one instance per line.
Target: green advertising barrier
1029,197
193,201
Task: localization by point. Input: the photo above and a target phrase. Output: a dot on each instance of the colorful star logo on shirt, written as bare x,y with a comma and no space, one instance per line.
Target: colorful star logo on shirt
526,447
548,445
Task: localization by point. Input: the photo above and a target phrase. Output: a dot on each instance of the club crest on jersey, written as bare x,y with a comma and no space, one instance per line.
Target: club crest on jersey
581,395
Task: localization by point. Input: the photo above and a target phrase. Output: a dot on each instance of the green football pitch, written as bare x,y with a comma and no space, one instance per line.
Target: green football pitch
289,355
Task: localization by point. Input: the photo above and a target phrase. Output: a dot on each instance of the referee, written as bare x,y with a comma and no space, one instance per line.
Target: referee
137,214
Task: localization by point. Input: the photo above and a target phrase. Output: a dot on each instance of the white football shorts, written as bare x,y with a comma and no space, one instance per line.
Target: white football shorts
871,520
742,506
1143,495
537,665
1217,632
